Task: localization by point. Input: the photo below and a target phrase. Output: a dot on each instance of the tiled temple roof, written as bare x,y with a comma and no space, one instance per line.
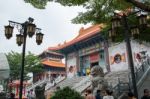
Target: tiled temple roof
52,63
83,34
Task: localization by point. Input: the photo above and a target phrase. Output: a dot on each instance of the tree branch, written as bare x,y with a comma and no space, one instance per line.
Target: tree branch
140,5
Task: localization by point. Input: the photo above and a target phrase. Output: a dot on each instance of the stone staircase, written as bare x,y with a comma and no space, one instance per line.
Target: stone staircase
82,85
113,78
142,77
144,85
119,82
70,82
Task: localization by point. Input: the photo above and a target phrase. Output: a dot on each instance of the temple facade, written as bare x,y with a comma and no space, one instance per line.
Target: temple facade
84,51
118,58
89,49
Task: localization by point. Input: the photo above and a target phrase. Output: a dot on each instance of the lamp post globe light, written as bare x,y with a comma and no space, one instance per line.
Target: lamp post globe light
25,29
121,20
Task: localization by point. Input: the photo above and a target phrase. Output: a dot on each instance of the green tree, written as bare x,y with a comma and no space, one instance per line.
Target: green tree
66,93
101,11
14,60
98,11
32,64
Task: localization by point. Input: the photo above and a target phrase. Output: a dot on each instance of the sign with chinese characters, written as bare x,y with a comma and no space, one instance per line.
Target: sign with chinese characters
91,49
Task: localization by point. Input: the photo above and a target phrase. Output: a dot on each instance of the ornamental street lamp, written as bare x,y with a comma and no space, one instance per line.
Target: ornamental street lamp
135,31
8,31
39,37
142,19
26,29
121,19
112,34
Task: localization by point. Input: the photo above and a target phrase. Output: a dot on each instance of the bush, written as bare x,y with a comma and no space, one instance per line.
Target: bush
66,93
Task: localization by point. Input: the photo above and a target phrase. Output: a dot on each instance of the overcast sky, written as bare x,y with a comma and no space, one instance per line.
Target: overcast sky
54,22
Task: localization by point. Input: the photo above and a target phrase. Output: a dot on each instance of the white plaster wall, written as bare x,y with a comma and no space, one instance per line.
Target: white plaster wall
71,62
136,48
120,49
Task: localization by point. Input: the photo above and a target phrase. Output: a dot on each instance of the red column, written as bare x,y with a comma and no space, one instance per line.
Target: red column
17,90
24,91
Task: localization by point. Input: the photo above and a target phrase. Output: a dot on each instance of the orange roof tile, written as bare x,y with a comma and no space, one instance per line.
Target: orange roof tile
83,34
53,63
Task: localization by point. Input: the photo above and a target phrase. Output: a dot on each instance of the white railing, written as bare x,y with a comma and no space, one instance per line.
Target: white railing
36,84
49,85
57,80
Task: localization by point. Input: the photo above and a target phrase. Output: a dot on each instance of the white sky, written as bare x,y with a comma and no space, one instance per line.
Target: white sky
55,22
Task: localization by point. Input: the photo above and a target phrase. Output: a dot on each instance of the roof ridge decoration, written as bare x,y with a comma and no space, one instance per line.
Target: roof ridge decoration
65,42
51,52
59,44
83,34
81,31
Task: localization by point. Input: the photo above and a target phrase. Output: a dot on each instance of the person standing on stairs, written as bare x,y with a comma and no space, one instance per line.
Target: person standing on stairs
146,94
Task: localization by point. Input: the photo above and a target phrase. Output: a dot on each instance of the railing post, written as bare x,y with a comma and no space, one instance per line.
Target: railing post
129,83
119,86
143,67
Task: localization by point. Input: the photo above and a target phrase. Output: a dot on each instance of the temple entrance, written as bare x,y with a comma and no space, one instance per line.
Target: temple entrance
94,58
93,64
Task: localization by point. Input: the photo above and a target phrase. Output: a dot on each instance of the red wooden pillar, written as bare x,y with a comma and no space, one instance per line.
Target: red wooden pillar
17,90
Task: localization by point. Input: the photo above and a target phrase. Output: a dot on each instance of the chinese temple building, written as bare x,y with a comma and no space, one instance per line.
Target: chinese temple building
84,51
89,49
53,65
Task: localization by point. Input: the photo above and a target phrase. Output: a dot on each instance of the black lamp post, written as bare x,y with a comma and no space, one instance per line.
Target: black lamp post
134,31
26,28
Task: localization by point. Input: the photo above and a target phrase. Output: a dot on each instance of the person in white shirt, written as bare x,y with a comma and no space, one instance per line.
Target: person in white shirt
108,95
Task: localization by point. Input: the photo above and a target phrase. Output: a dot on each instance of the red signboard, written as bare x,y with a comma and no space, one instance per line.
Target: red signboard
94,57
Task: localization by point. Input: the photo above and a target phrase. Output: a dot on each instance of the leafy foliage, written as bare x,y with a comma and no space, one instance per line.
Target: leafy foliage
66,93
32,64
97,11
14,60
40,4
101,11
